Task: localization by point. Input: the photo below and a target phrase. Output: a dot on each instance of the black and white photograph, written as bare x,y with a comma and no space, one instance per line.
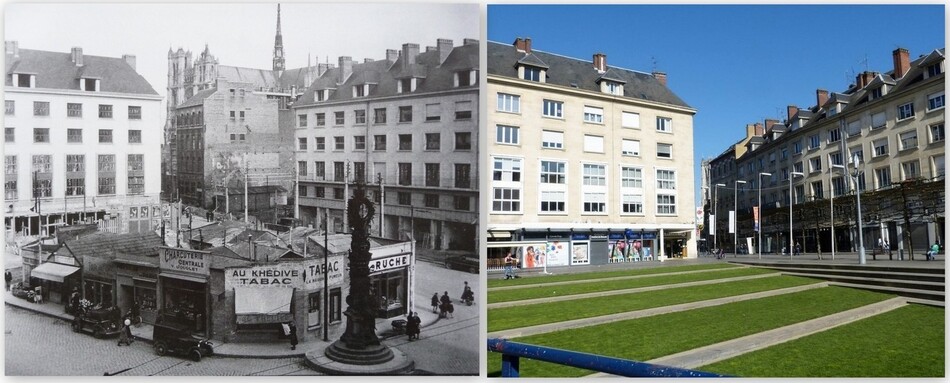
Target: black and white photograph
251,189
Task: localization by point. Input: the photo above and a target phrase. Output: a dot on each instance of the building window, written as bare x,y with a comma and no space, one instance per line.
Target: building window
665,204
433,112
797,147
937,133
339,118
10,176
75,174
880,147
73,110
463,141
664,124
553,172
463,110
319,192
462,203
379,116
433,141
553,109
834,135
815,164
934,70
878,120
301,143
905,111
136,170
105,136
630,120
593,114
632,203
595,202
506,199
320,95
508,103
338,193
9,134
405,85
359,172
359,90
507,169
405,173
552,140
10,109
630,147
464,78
339,143
553,201
41,135
319,170
631,178
302,168
814,141
798,167
664,150
532,73
320,143
431,200
359,116
593,144
908,139
666,179
338,173
883,176
321,119
432,175
359,142
105,111
40,108
106,174
135,136
835,158
935,101
404,198
614,88
937,166
816,190
506,135
911,169
135,112
405,114
302,120
405,142
463,176
379,142
23,80
595,175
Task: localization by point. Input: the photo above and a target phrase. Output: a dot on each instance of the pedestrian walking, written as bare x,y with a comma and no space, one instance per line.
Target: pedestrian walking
934,249
126,335
38,295
7,277
435,303
292,333
446,308
74,302
887,248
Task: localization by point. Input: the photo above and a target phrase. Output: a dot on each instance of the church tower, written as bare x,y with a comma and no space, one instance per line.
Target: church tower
278,47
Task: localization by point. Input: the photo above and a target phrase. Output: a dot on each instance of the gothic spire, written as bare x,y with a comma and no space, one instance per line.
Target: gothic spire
278,46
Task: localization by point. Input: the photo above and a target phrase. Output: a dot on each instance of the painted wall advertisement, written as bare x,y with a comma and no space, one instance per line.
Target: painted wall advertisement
184,261
306,275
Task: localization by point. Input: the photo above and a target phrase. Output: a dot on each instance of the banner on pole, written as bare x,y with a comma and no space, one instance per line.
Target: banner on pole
712,224
755,216
732,221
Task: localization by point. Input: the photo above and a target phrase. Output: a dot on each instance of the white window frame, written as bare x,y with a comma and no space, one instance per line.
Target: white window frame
874,146
936,101
904,109
507,135
878,120
661,144
630,120
552,108
552,139
508,167
593,114
629,147
661,204
591,143
938,165
915,165
664,124
933,129
904,138
552,197
595,185
508,103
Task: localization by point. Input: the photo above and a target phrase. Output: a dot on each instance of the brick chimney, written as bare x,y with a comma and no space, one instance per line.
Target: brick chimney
792,111
864,79
661,77
367,60
76,56
523,45
444,47
346,68
12,48
430,48
901,62
769,122
821,96
392,55
129,59
409,53
759,129
600,62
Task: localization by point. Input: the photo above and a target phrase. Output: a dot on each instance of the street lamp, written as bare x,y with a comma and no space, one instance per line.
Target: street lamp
855,173
791,201
831,186
759,229
735,226
716,215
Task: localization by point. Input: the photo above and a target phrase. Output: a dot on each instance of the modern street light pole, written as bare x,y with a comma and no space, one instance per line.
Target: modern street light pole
759,229
735,217
716,215
855,173
832,190
791,201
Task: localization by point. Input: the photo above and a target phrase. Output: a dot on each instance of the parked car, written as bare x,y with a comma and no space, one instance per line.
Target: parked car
463,263
101,323
169,339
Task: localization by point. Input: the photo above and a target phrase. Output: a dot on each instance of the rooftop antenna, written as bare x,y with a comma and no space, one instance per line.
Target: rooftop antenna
653,58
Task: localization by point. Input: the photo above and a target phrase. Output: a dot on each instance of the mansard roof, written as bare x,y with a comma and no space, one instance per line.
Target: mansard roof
55,70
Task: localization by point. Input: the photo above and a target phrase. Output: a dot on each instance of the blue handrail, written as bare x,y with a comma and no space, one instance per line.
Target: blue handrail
513,351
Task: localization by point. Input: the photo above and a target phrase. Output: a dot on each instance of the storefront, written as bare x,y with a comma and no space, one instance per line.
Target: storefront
391,279
137,281
556,248
183,295
56,280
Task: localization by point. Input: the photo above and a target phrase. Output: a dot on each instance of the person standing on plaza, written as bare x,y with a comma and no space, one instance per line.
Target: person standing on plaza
435,303
509,264
74,302
7,277
126,335
291,329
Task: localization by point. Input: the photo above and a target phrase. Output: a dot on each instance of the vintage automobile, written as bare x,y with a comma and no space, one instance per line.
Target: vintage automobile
170,339
100,322
463,263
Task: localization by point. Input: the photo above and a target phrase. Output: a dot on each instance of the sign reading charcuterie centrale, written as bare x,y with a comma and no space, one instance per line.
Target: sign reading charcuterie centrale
184,260
388,263
307,274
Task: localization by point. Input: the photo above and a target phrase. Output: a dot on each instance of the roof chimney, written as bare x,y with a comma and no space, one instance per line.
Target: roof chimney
661,77
392,55
346,68
76,56
445,47
769,122
792,111
523,45
469,41
367,60
12,48
409,53
749,130
129,59
759,129
430,48
600,62
821,96
901,62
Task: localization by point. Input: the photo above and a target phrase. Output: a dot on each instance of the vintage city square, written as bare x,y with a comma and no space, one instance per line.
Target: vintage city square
231,189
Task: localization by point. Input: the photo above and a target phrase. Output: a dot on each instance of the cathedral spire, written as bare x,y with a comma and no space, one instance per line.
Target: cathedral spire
278,46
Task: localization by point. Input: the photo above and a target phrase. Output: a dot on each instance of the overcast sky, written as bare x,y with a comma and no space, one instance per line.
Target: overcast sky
237,34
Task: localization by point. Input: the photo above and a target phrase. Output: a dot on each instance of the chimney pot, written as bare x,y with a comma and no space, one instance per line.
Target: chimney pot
600,62
346,68
821,96
523,45
409,53
12,48
77,56
129,59
430,48
445,47
901,62
769,122
661,77
367,60
792,111
392,55
469,41
759,129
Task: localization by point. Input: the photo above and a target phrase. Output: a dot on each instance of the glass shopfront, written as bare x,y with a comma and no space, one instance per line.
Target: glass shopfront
390,290
184,303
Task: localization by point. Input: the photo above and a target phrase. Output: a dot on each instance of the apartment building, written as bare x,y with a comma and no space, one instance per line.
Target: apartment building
407,128
82,142
590,163
893,121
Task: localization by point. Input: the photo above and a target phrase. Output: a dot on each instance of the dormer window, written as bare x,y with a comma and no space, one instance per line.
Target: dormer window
89,84
531,73
934,70
321,95
466,78
406,85
23,80
832,110
613,88
359,90
877,93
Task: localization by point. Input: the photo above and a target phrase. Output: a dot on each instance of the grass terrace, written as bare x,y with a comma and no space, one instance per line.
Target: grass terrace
603,274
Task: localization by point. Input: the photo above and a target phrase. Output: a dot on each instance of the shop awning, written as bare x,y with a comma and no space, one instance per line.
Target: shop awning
262,305
53,271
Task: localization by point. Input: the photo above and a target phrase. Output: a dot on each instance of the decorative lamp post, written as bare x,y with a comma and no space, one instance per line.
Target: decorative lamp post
791,201
716,215
735,225
856,172
831,186
759,229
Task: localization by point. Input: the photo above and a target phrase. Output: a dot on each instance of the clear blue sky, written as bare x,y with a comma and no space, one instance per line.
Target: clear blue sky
735,64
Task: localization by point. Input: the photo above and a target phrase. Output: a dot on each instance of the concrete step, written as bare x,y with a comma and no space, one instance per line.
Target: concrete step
857,279
895,275
921,268
922,296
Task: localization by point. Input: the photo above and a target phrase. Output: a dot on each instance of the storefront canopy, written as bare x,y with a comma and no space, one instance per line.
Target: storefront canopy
53,271
262,305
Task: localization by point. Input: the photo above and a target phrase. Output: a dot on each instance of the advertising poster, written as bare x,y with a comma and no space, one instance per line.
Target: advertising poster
558,253
618,250
579,254
533,255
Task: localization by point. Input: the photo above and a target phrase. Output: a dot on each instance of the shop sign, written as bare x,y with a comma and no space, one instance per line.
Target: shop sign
314,271
388,263
307,275
186,261
580,237
615,236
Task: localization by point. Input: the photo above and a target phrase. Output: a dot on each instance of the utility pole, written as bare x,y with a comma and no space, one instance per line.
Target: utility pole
382,202
326,256
245,191
346,192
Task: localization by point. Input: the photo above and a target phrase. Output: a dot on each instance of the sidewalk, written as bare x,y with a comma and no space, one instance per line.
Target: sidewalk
280,349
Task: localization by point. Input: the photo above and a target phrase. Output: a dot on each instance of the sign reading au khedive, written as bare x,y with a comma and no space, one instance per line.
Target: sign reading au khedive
307,275
184,260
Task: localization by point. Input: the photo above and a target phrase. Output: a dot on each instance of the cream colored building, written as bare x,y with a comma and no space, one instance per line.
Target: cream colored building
583,155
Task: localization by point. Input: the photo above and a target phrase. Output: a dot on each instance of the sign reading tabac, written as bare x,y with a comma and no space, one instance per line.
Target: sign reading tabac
184,260
307,274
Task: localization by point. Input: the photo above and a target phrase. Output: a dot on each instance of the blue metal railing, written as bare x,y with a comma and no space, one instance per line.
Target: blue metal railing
513,351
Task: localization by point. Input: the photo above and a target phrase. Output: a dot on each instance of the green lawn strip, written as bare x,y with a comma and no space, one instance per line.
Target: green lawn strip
906,342
530,315
652,337
604,274
622,284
